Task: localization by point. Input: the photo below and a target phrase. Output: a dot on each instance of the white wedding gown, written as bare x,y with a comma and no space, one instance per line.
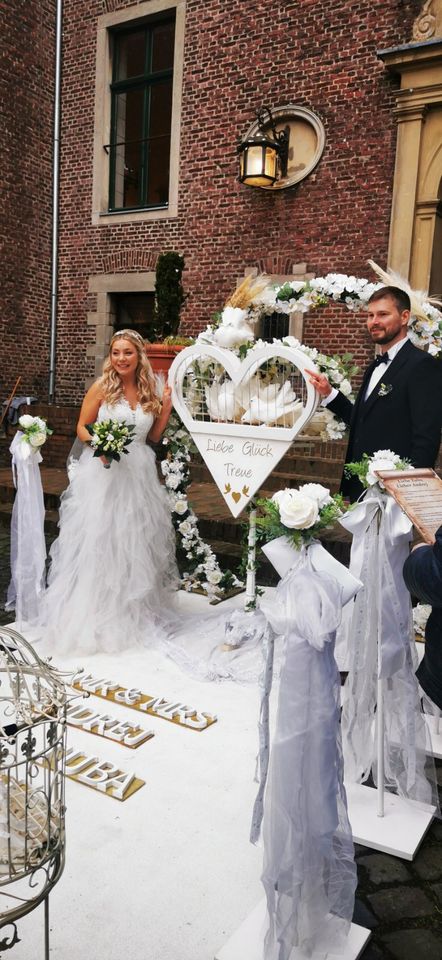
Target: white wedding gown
113,566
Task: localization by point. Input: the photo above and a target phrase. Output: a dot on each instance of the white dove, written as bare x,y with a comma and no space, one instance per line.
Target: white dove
274,405
221,401
233,329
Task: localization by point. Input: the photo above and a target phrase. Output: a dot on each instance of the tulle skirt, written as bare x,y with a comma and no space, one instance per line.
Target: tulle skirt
113,571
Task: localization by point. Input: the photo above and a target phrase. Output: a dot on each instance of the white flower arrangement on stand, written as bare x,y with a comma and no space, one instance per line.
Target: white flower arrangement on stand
365,469
34,432
298,514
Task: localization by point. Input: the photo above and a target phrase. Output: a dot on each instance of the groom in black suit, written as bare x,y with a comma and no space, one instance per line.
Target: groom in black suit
399,404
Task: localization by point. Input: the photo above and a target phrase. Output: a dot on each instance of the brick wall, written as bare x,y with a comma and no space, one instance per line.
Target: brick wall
26,96
317,53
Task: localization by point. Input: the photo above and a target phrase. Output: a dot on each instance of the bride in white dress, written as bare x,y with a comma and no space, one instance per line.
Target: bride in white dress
113,565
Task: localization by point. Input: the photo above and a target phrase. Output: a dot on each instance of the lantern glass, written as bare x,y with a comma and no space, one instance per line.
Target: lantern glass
258,161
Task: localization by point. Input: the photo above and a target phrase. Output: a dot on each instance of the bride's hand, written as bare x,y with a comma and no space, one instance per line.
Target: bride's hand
167,400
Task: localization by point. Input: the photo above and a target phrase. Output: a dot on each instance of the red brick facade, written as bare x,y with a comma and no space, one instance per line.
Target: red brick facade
26,95
317,53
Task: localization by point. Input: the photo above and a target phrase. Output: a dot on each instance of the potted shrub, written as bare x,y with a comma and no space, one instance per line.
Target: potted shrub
164,341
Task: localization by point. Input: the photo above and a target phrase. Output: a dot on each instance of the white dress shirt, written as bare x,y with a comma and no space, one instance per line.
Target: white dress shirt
376,375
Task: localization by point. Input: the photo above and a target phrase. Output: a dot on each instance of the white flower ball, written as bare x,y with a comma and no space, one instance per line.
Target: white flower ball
297,511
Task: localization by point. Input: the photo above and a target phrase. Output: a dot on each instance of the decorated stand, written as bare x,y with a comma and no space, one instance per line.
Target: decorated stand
384,733
309,873
32,769
28,547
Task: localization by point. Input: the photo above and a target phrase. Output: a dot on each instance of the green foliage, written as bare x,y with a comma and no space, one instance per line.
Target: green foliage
169,295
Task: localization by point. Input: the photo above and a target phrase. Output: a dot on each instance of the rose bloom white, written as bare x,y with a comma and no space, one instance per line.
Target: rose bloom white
381,460
296,510
180,507
26,421
214,576
317,492
185,527
37,439
172,481
345,387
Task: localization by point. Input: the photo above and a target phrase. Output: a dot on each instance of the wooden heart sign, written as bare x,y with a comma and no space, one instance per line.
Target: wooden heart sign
243,415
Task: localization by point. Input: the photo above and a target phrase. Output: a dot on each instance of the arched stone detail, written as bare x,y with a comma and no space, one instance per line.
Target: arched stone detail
125,261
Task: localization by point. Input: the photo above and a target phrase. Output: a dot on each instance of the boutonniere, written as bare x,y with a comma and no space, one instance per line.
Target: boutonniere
385,389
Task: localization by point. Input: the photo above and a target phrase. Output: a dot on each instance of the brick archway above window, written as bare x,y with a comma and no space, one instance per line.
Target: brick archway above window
126,261
277,265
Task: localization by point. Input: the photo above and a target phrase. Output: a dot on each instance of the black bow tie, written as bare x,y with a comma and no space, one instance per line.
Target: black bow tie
381,358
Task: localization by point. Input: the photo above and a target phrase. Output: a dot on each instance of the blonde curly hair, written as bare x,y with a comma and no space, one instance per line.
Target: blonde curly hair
112,385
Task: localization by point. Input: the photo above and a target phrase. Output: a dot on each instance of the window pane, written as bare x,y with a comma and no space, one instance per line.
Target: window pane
163,38
134,311
275,325
159,143
128,133
131,54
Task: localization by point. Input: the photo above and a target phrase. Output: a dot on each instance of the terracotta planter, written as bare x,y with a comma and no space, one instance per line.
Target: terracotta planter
161,355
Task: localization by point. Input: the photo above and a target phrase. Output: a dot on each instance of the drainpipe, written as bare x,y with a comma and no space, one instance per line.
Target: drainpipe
55,201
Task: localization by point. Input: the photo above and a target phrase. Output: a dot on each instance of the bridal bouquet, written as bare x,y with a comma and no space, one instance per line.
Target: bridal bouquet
110,438
381,460
299,515
35,433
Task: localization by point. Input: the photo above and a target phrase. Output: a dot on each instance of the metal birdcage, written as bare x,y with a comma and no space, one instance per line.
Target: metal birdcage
32,771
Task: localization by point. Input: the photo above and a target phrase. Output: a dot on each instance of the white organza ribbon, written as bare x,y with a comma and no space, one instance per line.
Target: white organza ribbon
309,873
381,647
28,548
381,541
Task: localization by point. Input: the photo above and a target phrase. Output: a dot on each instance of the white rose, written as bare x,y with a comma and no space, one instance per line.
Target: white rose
26,421
345,387
181,507
40,423
214,576
172,481
297,511
381,463
317,492
37,439
185,527
280,494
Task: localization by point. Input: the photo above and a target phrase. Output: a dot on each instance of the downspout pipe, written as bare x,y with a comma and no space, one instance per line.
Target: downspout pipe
55,200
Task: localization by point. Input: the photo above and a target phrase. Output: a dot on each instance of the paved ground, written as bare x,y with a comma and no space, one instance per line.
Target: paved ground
400,902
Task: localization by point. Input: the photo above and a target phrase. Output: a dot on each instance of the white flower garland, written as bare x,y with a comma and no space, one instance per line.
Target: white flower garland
204,572
233,329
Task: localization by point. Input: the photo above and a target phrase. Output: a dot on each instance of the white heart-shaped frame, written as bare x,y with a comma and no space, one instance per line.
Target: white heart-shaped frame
240,456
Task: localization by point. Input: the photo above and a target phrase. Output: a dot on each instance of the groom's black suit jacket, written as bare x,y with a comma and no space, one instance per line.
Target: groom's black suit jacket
406,419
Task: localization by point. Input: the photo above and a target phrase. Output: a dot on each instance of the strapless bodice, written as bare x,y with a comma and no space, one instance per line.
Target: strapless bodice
123,412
